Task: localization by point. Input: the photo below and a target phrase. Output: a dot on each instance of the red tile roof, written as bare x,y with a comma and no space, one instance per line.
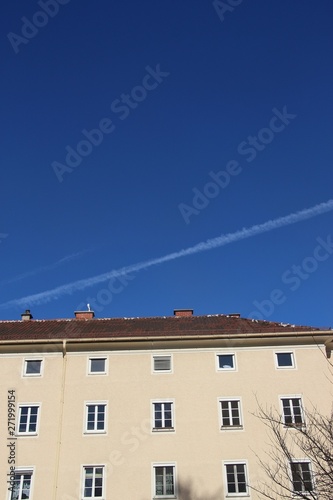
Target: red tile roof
140,327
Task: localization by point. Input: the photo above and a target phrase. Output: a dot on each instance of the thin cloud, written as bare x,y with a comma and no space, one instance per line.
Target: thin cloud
43,269
224,239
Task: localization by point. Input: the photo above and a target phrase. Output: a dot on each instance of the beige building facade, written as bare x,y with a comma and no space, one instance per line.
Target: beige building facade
150,408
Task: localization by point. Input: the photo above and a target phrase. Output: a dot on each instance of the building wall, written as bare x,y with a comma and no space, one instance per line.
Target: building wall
197,446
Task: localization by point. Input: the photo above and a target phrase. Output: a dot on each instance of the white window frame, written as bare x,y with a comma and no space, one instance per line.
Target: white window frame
300,461
289,398
231,427
25,365
164,464
163,401
226,368
156,356
94,467
246,473
105,372
19,413
293,362
95,430
24,471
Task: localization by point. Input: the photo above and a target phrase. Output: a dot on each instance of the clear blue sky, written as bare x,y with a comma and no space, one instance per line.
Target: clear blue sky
208,122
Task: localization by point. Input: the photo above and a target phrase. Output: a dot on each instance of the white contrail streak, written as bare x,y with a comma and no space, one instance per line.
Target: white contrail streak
42,269
224,239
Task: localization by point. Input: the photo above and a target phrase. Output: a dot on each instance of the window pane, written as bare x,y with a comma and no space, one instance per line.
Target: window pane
98,482
164,481
91,418
168,419
284,359
226,361
241,478
167,415
158,414
169,481
301,476
97,365
287,411
225,413
307,477
236,478
21,482
159,480
296,475
33,367
231,479
88,482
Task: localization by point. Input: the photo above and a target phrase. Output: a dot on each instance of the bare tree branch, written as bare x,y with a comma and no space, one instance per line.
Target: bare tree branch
289,447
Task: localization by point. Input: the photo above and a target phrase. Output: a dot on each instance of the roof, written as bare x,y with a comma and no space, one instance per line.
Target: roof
141,327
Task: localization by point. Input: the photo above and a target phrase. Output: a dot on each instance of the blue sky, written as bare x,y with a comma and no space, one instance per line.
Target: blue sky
133,131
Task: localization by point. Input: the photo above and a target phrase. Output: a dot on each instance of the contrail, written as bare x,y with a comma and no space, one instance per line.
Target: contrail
42,269
219,241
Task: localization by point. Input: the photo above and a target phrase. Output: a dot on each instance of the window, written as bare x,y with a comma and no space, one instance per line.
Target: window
32,367
230,413
21,485
97,365
28,416
162,363
95,417
236,478
163,418
226,361
93,482
164,481
292,411
285,360
301,476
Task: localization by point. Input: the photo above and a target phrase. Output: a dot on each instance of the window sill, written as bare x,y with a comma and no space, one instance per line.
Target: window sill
163,429
26,434
238,495
164,496
94,433
294,426
231,427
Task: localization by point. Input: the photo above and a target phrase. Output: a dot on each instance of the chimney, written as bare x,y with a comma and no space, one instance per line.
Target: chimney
183,312
84,315
26,316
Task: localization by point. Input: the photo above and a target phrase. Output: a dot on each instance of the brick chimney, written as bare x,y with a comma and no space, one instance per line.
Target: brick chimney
26,316
183,312
84,315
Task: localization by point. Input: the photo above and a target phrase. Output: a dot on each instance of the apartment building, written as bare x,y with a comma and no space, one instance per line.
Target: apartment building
151,408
